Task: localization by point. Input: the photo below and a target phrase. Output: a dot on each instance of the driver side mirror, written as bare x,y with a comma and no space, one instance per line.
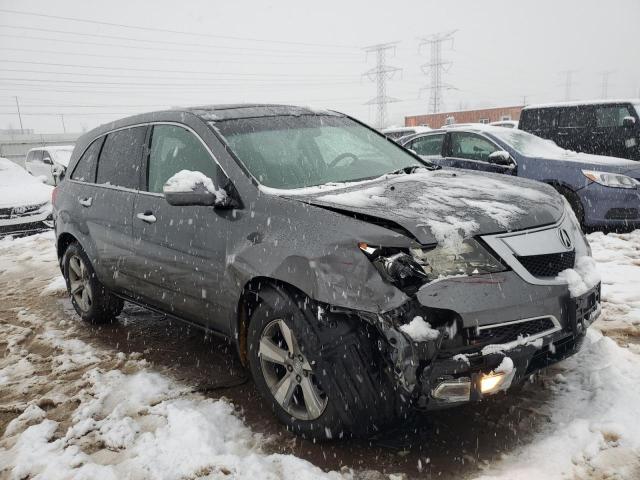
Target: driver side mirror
500,157
47,161
188,188
628,122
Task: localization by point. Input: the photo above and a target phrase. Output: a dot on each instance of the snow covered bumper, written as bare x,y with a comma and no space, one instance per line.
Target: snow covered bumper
25,220
505,329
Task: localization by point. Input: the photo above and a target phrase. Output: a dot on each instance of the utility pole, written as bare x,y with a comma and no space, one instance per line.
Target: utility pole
568,83
380,74
436,67
64,128
19,114
604,92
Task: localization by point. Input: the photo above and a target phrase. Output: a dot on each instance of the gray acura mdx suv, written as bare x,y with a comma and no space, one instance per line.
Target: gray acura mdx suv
357,282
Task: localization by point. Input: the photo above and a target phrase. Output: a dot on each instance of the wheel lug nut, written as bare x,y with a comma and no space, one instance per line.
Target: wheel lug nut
298,378
290,368
305,373
300,357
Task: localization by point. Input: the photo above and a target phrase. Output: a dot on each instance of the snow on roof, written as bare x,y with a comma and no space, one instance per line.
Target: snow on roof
54,148
582,102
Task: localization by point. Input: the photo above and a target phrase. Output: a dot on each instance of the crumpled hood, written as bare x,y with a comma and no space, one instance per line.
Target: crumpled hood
445,206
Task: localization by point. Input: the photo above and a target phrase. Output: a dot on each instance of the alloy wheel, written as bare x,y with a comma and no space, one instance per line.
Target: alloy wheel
288,374
79,283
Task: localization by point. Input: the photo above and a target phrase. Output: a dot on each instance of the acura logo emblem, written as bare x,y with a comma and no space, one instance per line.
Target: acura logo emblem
565,239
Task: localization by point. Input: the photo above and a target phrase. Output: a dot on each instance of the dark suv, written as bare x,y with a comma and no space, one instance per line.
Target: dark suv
356,281
607,127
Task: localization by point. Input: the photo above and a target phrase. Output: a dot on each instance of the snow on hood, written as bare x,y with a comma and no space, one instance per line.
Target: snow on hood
612,164
445,206
18,188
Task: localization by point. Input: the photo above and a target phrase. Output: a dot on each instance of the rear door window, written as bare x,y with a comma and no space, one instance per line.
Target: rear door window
174,148
575,117
121,158
471,146
611,115
428,145
85,170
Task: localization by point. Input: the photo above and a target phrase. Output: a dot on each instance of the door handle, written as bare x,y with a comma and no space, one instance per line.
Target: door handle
85,202
147,216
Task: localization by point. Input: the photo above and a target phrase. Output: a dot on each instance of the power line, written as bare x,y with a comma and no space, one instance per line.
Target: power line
166,58
436,67
19,114
161,70
259,51
380,74
165,30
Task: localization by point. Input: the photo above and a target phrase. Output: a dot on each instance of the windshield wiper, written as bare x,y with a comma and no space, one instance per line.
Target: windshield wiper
408,170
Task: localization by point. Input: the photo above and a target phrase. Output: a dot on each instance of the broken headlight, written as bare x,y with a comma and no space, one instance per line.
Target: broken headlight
412,267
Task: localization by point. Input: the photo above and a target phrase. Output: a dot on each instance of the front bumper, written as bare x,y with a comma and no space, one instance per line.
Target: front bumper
455,375
610,207
26,225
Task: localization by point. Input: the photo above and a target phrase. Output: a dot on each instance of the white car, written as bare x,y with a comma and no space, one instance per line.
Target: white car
50,162
25,202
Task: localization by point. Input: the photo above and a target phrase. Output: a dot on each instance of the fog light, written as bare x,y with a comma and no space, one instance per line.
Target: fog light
455,390
490,382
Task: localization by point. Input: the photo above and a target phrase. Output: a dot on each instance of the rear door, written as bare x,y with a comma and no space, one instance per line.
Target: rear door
110,209
471,151
610,136
575,127
180,252
429,146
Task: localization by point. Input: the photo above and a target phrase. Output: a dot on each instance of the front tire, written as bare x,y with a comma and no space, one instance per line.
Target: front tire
91,300
323,379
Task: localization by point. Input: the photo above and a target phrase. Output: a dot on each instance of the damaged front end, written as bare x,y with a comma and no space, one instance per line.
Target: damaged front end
485,327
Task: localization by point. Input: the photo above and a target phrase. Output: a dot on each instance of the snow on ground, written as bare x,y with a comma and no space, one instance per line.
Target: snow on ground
594,432
72,410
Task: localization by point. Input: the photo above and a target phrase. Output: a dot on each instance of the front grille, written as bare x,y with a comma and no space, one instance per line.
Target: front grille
513,331
548,265
17,212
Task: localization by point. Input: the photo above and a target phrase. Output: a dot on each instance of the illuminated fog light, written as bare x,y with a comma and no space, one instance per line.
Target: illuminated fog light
491,382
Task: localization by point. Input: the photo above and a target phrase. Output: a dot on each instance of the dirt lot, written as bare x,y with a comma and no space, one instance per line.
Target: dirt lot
447,444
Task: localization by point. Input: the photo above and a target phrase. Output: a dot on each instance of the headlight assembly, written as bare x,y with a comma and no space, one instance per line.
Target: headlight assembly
613,180
410,268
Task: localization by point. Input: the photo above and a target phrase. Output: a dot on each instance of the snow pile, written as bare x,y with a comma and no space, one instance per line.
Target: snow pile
187,180
582,278
419,330
593,418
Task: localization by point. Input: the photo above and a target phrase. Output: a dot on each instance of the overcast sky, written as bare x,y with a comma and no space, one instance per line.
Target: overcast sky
192,52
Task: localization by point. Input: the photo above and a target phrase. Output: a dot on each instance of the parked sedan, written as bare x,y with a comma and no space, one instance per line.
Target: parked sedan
25,202
603,191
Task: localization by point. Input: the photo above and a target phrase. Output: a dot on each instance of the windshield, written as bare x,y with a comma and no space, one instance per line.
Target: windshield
62,156
307,150
529,145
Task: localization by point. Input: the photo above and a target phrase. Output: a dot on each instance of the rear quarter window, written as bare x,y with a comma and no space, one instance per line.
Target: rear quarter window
121,158
538,119
85,169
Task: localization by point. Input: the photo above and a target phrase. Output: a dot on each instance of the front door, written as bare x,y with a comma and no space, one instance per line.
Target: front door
471,151
180,252
610,136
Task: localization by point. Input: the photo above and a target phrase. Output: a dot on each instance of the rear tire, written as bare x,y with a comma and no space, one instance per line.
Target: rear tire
91,300
339,364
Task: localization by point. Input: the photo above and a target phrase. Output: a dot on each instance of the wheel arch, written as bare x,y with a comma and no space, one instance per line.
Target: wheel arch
64,240
255,291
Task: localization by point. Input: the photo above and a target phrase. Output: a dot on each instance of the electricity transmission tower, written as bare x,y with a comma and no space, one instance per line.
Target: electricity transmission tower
380,74
436,67
568,83
605,83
